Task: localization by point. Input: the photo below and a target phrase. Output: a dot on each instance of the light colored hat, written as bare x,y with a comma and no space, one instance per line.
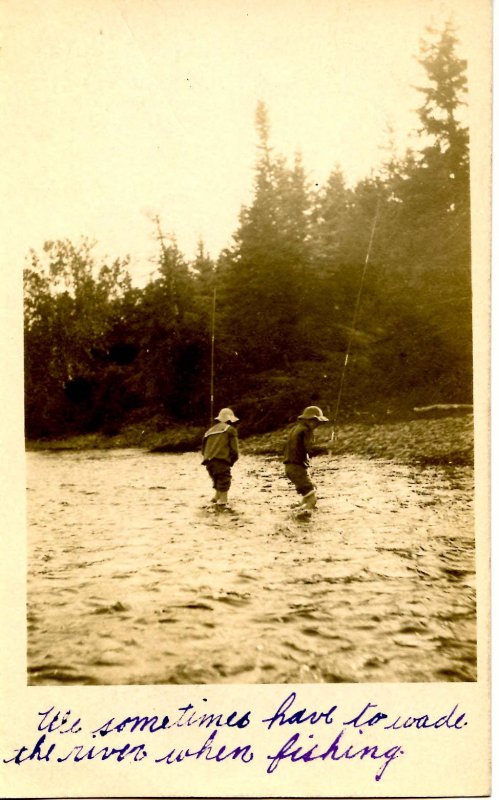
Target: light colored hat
227,415
313,412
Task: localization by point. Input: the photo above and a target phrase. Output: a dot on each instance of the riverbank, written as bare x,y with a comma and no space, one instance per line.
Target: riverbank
437,440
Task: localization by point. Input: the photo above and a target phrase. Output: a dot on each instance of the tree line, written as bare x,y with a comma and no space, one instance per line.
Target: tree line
101,353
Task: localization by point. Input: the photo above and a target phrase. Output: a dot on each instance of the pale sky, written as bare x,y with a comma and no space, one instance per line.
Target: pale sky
116,110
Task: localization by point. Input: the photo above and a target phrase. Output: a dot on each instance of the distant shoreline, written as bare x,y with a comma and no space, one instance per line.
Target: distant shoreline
446,439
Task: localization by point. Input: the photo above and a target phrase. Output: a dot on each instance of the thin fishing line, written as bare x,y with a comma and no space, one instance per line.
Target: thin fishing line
212,359
355,317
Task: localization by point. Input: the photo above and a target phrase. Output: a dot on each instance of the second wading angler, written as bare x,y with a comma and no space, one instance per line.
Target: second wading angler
297,456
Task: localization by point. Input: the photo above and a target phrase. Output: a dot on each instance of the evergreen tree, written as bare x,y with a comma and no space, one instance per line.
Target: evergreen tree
426,241
204,272
265,272
330,216
448,146
168,332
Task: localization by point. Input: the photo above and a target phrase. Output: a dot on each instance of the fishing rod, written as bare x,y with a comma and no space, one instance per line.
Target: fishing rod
354,323
212,365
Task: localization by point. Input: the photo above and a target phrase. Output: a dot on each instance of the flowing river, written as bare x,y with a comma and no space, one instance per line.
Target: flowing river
131,579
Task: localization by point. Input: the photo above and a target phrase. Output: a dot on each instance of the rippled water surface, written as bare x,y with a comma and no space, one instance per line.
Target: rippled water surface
132,580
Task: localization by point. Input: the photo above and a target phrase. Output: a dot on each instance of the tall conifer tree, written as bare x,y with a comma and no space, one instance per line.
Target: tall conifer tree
265,271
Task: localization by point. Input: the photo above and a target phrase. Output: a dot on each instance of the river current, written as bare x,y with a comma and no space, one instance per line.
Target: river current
132,580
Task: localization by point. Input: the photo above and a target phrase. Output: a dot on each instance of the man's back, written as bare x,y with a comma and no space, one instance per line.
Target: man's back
297,445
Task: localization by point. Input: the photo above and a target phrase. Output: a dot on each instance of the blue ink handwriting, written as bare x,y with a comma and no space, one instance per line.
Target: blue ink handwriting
153,724
158,731
448,720
298,717
333,752
207,752
58,722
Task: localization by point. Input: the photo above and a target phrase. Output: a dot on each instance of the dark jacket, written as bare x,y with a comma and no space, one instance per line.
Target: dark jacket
299,442
221,442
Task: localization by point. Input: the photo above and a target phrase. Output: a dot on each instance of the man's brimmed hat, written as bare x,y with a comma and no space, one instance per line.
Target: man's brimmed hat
313,412
227,415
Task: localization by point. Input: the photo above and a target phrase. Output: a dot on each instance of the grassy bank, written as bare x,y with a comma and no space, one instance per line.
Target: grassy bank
440,440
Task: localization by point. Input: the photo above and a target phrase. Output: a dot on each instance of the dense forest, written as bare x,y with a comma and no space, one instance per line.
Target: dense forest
101,353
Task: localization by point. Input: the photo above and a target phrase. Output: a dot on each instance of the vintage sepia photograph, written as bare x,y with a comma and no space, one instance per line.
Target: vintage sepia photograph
245,233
